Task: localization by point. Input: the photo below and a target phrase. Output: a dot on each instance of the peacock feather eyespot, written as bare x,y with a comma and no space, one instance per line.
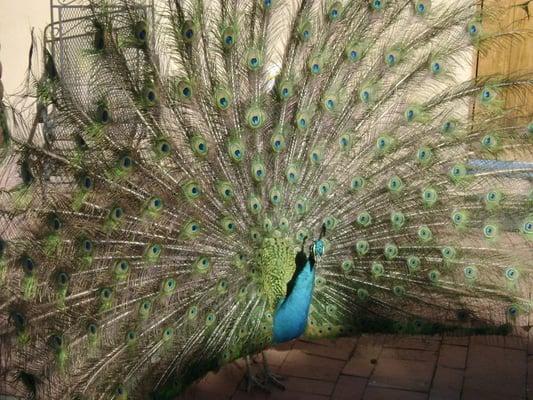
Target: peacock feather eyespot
460,219
191,230
254,59
330,222
54,223
255,235
367,94
125,163
390,251
377,5
191,190
392,57
192,313
86,183
470,273
474,30
315,65
268,226
305,31
255,205
335,11
168,334
229,38
429,197
62,280
293,174
202,264
527,227
116,214
448,127
277,142
357,183
329,103
168,286
434,276
384,144
236,150
301,205
92,331
149,95
106,294
325,188
422,7
354,52
424,233
362,247
145,307
316,156
424,156
397,219
458,173
141,32
493,199
131,338
364,219
399,291
490,231
303,120
284,224
345,142
275,196
225,190
162,148
223,98
436,67
513,311
210,319
362,294
413,264
267,4
103,115
511,274
228,224
121,393
490,142
448,253
121,269
188,31
301,235
184,90
377,269
286,89
255,117
487,95
395,184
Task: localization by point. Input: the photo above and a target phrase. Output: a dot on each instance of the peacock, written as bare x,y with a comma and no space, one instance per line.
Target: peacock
205,179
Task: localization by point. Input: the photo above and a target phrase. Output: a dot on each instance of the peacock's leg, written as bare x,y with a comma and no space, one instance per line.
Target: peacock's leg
251,379
271,378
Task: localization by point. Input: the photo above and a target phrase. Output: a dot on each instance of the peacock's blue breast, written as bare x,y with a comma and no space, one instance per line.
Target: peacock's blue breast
290,317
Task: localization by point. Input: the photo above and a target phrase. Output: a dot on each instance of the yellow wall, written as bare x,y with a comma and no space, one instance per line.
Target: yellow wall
513,57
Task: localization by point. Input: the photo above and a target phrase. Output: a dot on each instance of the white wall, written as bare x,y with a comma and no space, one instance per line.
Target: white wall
17,17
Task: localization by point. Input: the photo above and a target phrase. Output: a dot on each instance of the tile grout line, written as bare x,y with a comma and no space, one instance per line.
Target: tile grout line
461,393
436,366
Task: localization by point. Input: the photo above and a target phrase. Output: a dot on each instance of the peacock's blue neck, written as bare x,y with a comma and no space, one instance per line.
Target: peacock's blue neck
290,316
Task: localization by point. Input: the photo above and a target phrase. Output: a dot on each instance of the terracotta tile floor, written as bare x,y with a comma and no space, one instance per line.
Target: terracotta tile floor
387,368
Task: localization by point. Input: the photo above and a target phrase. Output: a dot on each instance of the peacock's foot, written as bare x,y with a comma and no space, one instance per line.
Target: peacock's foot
265,380
271,379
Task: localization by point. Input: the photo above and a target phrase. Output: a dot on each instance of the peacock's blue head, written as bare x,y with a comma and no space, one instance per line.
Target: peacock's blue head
319,247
